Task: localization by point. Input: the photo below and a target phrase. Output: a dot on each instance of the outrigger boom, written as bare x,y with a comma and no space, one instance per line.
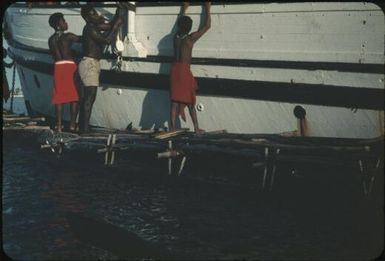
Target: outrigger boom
267,150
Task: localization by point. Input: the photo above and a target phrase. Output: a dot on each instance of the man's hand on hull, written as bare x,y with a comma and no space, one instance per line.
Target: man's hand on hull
119,22
124,4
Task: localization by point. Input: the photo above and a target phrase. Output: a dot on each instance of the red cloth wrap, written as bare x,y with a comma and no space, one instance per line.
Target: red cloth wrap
64,89
183,86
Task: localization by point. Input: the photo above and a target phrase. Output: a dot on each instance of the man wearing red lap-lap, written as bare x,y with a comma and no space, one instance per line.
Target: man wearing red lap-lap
182,83
65,89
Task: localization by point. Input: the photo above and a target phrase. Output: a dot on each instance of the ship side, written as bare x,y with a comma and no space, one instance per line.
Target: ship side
257,65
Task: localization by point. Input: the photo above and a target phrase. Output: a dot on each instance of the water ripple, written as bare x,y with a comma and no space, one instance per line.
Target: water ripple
189,218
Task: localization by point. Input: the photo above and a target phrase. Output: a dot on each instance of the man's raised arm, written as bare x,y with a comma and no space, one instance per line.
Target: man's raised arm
119,14
108,37
196,35
184,7
120,11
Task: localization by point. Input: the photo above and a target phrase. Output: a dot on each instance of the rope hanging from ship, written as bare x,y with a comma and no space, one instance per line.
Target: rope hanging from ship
7,36
13,85
117,49
12,64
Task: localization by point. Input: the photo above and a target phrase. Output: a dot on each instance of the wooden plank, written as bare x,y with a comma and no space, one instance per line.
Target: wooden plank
318,147
260,143
80,144
266,143
8,115
26,128
166,135
142,131
215,132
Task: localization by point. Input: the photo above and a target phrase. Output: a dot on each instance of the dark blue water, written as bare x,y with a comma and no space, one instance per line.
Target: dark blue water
214,210
302,218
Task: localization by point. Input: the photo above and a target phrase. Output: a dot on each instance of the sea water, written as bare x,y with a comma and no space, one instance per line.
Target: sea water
215,209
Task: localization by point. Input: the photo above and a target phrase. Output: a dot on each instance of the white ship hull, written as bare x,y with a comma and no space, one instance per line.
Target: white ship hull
254,66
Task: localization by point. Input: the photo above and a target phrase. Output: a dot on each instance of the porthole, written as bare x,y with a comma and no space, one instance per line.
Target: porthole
299,112
200,107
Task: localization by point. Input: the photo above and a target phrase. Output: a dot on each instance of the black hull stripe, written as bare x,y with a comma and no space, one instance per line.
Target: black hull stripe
316,94
341,67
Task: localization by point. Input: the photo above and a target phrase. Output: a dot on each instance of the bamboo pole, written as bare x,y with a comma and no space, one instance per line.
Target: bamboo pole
182,165
107,152
169,159
113,151
266,168
18,119
168,154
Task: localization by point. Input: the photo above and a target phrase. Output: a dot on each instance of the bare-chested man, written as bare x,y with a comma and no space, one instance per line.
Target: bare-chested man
94,42
65,89
183,84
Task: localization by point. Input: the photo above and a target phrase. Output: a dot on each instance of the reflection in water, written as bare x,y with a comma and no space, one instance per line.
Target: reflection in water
47,205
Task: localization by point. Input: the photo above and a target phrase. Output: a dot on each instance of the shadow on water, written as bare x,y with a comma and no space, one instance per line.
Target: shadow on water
115,239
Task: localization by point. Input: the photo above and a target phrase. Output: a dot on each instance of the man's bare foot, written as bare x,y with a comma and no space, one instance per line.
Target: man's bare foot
58,128
72,128
199,131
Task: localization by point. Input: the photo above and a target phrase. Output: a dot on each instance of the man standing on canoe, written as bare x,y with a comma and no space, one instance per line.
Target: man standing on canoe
94,42
183,85
65,90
